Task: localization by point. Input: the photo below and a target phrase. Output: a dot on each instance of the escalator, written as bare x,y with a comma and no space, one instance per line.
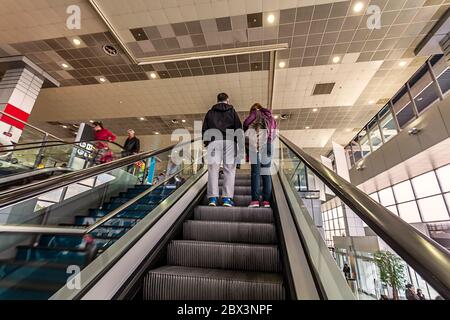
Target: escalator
129,236
25,163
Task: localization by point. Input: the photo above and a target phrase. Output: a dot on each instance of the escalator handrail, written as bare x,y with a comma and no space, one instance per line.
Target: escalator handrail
427,257
16,195
49,144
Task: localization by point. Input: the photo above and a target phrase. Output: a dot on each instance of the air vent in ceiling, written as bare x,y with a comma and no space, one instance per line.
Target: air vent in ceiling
323,88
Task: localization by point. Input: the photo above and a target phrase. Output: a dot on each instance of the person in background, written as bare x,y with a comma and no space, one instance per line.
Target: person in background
410,292
347,271
221,117
260,139
132,144
420,294
102,146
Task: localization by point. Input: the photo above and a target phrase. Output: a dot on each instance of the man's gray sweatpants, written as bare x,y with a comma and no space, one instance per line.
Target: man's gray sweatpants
221,152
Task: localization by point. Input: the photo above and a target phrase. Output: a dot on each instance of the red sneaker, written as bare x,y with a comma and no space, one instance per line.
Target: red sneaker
254,204
266,204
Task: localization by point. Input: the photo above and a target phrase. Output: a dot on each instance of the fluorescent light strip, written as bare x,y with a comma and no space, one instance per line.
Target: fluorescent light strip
212,54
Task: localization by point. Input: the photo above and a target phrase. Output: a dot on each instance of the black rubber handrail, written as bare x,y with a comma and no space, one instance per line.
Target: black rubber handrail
49,144
16,195
426,256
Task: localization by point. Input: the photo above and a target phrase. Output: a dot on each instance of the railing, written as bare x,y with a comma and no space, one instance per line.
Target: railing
32,190
425,87
427,257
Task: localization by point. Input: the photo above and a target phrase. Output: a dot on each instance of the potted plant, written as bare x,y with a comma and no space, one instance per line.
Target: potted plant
392,271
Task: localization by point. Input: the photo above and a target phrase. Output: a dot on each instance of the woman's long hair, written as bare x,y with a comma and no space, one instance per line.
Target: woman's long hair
256,106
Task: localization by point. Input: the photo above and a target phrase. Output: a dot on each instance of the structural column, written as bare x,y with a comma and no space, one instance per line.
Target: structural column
19,89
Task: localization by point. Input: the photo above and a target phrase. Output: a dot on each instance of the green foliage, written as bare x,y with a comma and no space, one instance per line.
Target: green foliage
392,269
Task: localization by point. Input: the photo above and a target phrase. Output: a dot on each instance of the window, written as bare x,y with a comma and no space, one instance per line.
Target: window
388,127
426,185
386,197
393,209
433,209
403,192
365,146
375,138
403,107
409,212
444,178
374,196
356,149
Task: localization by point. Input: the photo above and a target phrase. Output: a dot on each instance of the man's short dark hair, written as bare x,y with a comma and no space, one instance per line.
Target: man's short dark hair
222,97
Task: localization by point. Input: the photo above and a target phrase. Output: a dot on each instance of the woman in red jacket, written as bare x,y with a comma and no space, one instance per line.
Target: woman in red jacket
105,135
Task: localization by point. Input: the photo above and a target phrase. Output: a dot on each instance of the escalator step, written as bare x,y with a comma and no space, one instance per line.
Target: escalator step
239,200
241,214
216,255
181,283
260,233
239,182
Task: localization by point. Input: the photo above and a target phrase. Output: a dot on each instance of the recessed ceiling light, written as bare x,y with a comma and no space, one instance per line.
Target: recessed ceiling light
315,110
64,65
371,102
76,41
65,127
275,117
358,7
336,59
184,121
402,63
307,128
102,79
142,118
91,121
156,133
153,75
271,18
282,64
348,130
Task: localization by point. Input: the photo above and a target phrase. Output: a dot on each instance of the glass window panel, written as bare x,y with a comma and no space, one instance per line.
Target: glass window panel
386,197
388,128
444,178
409,212
426,98
356,151
405,115
444,81
393,209
365,147
342,223
403,192
374,196
433,209
375,138
340,212
426,185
